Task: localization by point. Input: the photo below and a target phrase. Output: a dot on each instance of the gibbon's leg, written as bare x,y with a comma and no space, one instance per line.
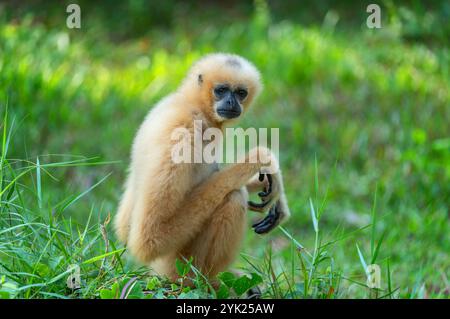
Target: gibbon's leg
216,246
161,225
122,220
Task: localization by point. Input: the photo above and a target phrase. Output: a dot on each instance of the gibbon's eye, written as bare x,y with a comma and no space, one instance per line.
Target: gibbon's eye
242,93
220,90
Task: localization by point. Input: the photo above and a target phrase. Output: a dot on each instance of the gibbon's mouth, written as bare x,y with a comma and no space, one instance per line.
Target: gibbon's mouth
228,114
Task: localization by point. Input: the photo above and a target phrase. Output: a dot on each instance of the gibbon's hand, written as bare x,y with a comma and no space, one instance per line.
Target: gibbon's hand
273,196
270,221
269,195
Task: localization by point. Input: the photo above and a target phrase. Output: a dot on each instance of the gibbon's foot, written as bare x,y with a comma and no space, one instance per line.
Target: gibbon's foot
270,221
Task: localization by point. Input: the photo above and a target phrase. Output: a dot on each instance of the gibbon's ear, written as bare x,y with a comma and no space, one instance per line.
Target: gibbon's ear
200,79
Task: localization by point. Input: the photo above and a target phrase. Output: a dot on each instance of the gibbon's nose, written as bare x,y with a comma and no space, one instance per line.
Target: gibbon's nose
231,103
230,108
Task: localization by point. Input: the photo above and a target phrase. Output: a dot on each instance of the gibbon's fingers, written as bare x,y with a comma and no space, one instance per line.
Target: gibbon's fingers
273,190
261,221
258,207
269,222
261,207
261,177
266,220
268,197
267,192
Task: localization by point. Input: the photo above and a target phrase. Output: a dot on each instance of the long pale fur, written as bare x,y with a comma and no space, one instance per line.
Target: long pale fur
170,210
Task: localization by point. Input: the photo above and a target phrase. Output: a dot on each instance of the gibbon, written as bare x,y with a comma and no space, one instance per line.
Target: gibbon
182,210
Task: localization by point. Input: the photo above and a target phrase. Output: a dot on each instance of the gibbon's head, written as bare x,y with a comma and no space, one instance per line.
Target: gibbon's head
224,84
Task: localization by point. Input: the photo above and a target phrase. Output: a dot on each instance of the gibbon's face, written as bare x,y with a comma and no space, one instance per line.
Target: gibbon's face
227,85
228,99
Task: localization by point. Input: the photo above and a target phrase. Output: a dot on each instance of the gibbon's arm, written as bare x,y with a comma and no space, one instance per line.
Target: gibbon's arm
168,219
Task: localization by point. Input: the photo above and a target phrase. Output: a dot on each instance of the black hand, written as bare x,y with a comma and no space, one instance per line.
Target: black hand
269,222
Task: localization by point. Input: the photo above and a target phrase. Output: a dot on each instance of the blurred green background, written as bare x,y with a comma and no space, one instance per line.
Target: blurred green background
360,111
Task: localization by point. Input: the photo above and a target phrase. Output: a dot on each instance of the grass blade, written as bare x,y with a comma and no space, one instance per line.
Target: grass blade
100,257
38,182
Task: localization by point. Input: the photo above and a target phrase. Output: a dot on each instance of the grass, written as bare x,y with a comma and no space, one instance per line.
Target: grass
365,147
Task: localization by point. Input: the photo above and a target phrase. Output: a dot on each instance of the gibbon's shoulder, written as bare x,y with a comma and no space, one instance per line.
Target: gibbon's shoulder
168,114
162,108
176,111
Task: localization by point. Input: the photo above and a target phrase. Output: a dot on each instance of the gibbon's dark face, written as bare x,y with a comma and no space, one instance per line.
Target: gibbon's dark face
228,100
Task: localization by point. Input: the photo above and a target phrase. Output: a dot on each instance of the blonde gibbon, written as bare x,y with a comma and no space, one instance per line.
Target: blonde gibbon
182,210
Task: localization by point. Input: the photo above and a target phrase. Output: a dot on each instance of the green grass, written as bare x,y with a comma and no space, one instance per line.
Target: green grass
364,141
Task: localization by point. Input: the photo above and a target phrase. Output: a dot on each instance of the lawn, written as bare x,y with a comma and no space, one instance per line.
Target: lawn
364,119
